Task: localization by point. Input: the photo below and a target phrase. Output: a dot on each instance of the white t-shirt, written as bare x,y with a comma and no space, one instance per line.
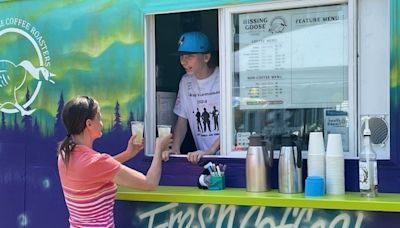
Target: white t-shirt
198,101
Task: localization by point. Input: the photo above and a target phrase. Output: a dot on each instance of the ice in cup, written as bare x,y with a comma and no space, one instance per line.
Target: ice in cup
137,128
163,130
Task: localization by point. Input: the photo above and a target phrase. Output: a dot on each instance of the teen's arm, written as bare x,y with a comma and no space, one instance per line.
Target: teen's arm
179,135
214,147
195,156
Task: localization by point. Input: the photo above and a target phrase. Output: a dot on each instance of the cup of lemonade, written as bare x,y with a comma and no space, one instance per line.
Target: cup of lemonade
137,127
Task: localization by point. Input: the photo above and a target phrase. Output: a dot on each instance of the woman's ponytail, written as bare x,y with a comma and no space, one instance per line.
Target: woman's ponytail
65,148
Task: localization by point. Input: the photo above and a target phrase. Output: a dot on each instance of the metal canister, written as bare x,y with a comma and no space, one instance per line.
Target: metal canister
289,166
258,164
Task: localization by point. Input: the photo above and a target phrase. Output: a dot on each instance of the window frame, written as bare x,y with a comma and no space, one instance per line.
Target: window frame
225,15
227,72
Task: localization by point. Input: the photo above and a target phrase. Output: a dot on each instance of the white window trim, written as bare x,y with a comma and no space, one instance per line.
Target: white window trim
227,66
150,83
226,63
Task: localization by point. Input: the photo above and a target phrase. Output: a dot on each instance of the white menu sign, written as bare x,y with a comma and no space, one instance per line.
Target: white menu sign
165,107
293,58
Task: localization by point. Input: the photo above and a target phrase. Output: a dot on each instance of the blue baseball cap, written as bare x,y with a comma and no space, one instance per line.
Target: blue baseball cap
194,42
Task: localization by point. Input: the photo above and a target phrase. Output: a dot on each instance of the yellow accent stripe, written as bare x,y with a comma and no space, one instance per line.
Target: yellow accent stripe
239,196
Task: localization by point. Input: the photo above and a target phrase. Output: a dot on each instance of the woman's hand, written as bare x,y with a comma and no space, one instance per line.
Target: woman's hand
195,156
133,147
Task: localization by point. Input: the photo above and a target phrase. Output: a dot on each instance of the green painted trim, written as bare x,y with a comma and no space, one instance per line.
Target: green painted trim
238,196
158,6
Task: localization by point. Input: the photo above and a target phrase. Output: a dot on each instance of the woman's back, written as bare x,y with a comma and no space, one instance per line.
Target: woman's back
88,188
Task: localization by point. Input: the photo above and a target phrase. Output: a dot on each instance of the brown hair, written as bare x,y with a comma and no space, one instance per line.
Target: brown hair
74,116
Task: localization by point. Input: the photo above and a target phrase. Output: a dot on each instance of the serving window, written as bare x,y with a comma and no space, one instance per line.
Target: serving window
287,67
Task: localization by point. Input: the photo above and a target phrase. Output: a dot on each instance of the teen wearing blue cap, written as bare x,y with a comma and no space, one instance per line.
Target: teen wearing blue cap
193,42
198,99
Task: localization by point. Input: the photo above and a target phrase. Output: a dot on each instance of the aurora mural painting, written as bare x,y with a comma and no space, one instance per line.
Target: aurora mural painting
96,50
86,49
90,48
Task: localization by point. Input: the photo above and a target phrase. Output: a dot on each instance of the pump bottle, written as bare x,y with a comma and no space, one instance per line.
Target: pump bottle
368,172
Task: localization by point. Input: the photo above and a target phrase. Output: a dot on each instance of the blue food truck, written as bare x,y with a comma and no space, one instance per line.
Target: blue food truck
285,66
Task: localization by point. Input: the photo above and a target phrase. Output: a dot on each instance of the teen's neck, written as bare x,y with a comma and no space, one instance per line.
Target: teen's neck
204,73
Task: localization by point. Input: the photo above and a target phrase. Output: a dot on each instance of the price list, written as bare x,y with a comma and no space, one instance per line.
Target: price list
265,54
292,58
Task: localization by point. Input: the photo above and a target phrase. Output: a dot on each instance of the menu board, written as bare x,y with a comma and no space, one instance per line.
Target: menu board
165,106
293,58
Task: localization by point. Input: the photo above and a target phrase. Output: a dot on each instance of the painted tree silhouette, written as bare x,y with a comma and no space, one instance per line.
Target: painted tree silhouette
3,122
16,126
116,138
117,127
36,128
27,120
59,130
3,127
131,118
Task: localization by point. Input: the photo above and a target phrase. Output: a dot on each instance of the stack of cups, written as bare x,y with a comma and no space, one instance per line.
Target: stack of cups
316,155
334,165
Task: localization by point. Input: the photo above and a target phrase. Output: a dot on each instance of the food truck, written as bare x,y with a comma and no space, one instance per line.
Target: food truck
286,66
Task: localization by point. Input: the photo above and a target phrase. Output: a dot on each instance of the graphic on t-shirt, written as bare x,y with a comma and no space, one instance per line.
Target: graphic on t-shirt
215,115
206,120
195,102
198,119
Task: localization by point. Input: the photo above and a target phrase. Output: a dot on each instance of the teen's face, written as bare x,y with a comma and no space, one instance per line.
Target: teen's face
95,125
195,63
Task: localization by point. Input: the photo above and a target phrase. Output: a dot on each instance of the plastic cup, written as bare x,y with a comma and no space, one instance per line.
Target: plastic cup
163,130
137,128
316,155
315,186
335,186
334,146
334,175
316,165
316,143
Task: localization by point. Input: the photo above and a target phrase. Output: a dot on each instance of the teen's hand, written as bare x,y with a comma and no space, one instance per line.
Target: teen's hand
195,156
162,144
165,154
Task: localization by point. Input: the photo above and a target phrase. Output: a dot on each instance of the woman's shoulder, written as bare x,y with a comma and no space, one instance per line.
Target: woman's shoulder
79,149
87,158
86,154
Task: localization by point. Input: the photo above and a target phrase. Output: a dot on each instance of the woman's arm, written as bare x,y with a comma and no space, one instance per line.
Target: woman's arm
137,180
131,151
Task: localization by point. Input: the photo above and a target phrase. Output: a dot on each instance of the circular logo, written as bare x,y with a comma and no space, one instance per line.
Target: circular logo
13,75
278,25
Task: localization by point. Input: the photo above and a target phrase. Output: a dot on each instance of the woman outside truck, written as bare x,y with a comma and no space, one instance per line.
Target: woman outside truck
89,178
